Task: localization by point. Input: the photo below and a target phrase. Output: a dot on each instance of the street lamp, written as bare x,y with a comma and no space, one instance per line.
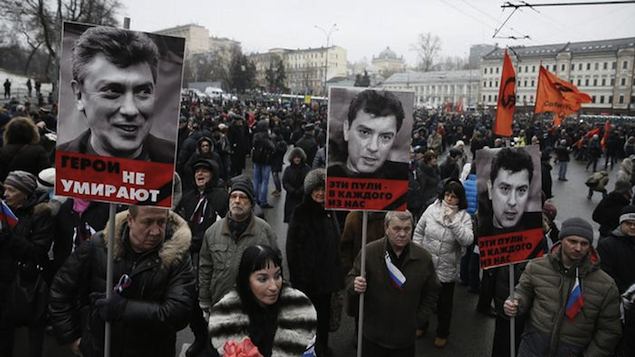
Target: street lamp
328,40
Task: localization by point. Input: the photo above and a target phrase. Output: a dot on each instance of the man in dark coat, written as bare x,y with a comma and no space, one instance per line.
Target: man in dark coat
293,181
308,143
152,300
618,260
239,139
608,211
201,207
262,156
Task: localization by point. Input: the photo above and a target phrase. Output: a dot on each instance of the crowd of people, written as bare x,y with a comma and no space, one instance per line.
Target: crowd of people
214,263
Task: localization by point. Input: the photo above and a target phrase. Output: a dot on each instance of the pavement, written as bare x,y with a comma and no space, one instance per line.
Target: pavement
471,333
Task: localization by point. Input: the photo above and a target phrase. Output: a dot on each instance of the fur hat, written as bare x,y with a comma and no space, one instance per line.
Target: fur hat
243,184
22,180
576,227
314,179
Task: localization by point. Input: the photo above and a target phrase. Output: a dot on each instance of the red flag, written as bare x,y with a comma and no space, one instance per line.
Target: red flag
557,120
506,99
588,135
605,137
556,95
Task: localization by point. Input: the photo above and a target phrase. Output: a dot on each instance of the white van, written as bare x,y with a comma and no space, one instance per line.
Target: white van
214,93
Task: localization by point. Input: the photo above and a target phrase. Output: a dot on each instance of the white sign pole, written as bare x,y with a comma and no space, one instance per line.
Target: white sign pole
512,320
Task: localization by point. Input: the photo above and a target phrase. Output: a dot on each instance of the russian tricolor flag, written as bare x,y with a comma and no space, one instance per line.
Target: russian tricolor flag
6,215
575,301
396,276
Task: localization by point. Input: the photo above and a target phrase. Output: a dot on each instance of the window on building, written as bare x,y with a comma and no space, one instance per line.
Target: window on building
606,65
484,84
573,67
526,69
496,98
533,69
579,66
490,84
586,82
524,98
623,81
621,99
610,99
531,99
484,70
489,98
553,68
601,99
525,83
613,65
520,69
593,99
496,84
625,65
588,66
612,82
496,70
532,82
595,82
563,67
483,97
579,82
603,82
597,66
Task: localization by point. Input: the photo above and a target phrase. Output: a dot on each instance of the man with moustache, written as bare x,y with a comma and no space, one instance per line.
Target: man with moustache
400,286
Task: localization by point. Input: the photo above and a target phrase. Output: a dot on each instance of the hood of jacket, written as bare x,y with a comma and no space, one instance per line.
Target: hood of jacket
174,248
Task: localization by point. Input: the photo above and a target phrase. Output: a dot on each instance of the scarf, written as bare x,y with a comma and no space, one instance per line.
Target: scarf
448,212
237,228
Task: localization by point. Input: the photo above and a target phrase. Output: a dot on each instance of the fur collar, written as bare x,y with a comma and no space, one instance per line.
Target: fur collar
175,247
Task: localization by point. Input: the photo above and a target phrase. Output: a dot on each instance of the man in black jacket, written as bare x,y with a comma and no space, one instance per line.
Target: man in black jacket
152,300
608,211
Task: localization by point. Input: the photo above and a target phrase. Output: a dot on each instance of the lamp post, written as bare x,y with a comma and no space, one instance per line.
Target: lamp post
328,34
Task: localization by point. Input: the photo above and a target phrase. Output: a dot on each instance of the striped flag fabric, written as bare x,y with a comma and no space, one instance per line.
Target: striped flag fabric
396,276
575,300
6,215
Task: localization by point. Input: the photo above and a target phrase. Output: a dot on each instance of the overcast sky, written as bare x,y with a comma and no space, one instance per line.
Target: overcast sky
365,28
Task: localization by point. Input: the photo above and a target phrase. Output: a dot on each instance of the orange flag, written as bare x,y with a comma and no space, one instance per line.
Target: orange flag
605,137
556,95
506,99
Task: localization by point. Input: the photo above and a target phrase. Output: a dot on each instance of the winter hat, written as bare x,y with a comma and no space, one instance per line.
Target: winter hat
243,184
627,214
22,180
622,186
46,179
314,179
576,227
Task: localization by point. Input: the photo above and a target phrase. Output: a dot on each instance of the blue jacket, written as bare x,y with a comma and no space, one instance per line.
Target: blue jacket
471,194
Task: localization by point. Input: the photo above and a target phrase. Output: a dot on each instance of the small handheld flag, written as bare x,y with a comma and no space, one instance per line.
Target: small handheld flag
6,215
396,276
575,300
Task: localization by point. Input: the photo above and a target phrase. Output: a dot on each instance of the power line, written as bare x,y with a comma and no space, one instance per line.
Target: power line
524,4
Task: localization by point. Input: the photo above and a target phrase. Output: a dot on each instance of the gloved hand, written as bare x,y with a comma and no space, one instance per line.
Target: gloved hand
109,309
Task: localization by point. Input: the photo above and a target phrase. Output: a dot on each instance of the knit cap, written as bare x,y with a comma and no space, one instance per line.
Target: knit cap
627,214
315,178
243,184
576,227
22,180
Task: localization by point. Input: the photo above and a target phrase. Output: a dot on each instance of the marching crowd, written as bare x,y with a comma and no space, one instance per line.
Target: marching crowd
213,262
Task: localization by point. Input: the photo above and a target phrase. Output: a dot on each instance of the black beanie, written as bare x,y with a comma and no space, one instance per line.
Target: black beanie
243,184
576,227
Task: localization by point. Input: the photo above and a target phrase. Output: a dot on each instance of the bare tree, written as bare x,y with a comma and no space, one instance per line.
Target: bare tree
450,63
427,48
38,23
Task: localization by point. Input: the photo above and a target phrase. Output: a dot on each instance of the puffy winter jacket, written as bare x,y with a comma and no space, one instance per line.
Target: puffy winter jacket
159,297
444,241
544,289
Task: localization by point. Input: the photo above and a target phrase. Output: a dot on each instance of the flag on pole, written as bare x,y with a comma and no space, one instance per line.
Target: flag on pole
6,215
557,96
506,99
575,300
605,137
396,276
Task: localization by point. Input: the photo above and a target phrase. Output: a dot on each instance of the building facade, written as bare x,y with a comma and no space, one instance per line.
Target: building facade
602,69
435,89
196,37
307,70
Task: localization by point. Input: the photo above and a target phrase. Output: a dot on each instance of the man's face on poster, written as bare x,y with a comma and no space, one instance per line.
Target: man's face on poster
370,139
509,194
118,104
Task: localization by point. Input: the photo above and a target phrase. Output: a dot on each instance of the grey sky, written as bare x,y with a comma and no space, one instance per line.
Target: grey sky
367,27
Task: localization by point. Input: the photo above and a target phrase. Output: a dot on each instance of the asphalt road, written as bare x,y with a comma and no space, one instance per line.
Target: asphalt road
471,333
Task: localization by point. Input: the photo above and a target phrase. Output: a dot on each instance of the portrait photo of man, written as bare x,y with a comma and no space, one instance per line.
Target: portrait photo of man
510,192
117,92
367,135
